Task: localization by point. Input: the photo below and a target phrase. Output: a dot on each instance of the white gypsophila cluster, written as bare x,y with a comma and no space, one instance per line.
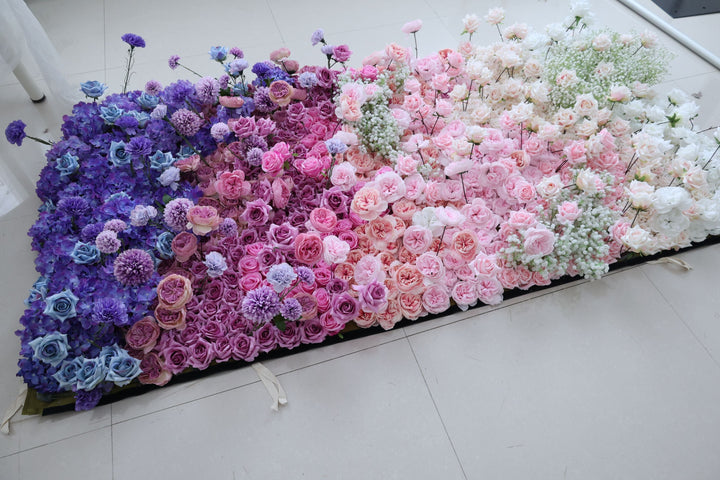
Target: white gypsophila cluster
596,62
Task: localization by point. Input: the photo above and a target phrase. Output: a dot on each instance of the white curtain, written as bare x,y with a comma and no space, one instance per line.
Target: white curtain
20,31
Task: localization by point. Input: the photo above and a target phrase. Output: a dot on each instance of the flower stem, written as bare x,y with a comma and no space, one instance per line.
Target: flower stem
462,182
442,235
127,69
416,47
40,140
711,157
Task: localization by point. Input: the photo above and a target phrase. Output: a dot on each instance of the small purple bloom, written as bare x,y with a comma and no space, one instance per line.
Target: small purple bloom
218,53
228,228
116,225
139,147
175,214
219,131
335,146
236,52
215,263
153,87
291,309
327,49
133,267
281,276
261,305
306,275
186,122
133,40
15,132
317,36
173,61
107,242
111,311
207,90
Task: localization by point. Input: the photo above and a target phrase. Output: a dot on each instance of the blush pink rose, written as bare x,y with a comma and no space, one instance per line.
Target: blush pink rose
232,185
568,212
490,291
417,239
465,243
368,203
323,220
430,266
174,291
464,294
411,305
538,242
272,162
408,279
436,299
343,176
334,250
231,102
251,281
368,269
203,219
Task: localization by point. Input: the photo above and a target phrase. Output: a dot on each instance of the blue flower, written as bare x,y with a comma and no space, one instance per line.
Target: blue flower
163,245
335,146
235,67
66,376
91,373
118,155
85,253
108,352
67,164
141,117
61,306
147,101
52,348
122,369
93,88
133,40
161,161
38,291
111,113
218,53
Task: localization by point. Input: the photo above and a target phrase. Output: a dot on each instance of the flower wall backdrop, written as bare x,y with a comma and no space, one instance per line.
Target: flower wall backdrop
214,219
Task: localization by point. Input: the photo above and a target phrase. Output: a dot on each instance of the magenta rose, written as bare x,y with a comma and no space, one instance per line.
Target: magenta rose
251,281
313,331
143,334
223,349
266,337
232,185
291,336
213,331
308,248
256,213
344,307
176,357
331,323
341,53
244,347
323,220
243,126
202,354
171,319
184,246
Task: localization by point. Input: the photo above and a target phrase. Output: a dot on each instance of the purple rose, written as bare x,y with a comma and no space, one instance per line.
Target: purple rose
201,354
244,347
266,337
176,358
256,213
313,331
345,307
291,336
341,53
373,297
336,286
212,331
325,78
214,291
282,236
223,349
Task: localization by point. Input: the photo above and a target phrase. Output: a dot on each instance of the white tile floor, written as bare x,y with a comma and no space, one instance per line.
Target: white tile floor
617,378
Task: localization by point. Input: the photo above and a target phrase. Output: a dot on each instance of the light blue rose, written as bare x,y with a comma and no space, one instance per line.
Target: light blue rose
111,113
161,161
163,245
61,306
122,369
52,348
218,53
91,373
37,291
147,101
235,67
141,117
67,164
108,352
85,253
66,376
93,88
118,155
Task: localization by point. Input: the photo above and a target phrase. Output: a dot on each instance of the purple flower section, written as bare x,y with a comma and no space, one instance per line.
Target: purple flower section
135,41
15,132
133,267
187,123
261,305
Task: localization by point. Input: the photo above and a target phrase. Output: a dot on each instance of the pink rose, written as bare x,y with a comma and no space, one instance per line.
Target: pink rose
341,53
203,219
485,266
323,220
280,192
232,185
281,92
368,203
411,305
184,246
308,248
538,242
334,250
404,209
272,162
343,176
251,281
143,334
465,243
242,127
568,212
248,264
430,265
436,299
417,239
188,164
231,102
409,279
311,166
368,269
465,294
521,219
414,186
174,291
397,53
490,291
412,27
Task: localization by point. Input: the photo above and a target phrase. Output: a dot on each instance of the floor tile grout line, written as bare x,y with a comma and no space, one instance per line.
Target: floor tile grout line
682,320
256,381
437,410
23,450
112,446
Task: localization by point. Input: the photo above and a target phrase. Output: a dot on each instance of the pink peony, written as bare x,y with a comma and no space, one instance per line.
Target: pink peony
203,219
173,292
323,220
334,250
184,246
143,335
538,242
308,248
436,299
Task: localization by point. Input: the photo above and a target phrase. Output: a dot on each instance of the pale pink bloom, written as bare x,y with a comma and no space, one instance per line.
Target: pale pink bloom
471,23
495,16
568,212
335,250
465,294
430,266
566,78
369,269
391,186
368,203
406,165
602,42
414,186
490,291
412,27
449,216
436,299
343,176
619,93
538,242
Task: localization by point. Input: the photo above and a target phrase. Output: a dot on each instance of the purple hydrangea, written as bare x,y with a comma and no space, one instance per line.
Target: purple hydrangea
261,305
281,276
219,131
135,41
215,263
15,132
175,215
291,309
87,400
109,311
139,147
107,242
207,90
186,122
133,267
306,275
141,215
73,206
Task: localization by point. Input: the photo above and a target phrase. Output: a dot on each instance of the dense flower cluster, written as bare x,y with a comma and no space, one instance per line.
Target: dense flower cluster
238,215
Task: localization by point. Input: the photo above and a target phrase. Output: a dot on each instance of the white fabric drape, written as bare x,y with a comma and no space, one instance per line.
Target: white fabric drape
19,29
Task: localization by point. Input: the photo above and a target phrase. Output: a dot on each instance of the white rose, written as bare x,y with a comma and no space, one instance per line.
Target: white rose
495,16
602,42
695,178
512,88
670,224
587,181
586,128
585,105
640,194
459,92
549,187
538,92
636,239
604,69
666,199
471,23
532,68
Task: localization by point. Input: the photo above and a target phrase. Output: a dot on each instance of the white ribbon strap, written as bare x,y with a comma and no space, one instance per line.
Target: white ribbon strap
272,384
675,261
13,410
